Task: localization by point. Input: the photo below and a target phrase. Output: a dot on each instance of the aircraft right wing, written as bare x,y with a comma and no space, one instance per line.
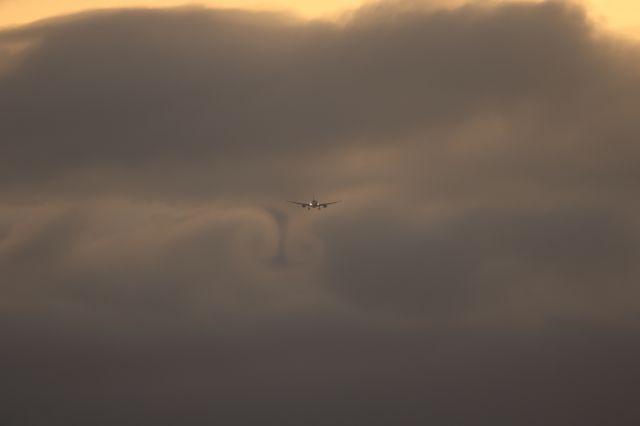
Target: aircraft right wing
298,203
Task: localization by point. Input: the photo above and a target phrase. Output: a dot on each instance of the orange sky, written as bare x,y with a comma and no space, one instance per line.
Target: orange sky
622,15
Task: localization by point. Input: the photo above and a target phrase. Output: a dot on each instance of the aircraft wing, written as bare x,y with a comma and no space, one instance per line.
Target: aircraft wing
333,202
298,203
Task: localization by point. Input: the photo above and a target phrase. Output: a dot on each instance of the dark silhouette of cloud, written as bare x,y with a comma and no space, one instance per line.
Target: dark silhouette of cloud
157,88
482,269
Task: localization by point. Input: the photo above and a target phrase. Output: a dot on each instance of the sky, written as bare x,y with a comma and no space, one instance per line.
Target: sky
616,15
481,269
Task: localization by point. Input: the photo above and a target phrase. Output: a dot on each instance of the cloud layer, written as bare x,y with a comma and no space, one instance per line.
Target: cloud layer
482,268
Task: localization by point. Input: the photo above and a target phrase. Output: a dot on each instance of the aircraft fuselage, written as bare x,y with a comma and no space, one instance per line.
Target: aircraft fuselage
313,204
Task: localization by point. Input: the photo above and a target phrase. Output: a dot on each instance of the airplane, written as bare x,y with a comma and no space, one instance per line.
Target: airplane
313,204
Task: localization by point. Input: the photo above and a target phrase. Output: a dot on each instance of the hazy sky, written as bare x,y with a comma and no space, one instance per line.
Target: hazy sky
620,15
482,268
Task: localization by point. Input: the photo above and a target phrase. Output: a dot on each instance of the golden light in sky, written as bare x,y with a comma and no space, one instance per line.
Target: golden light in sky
619,15
19,11
623,15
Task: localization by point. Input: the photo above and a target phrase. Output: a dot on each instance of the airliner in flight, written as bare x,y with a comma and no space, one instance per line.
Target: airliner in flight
314,204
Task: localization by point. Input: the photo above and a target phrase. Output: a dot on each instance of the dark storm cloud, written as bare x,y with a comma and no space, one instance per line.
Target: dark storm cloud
485,259
322,375
482,268
195,88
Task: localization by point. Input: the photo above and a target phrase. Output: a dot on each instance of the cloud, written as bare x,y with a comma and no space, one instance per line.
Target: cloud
482,262
484,255
125,90
320,374
481,149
